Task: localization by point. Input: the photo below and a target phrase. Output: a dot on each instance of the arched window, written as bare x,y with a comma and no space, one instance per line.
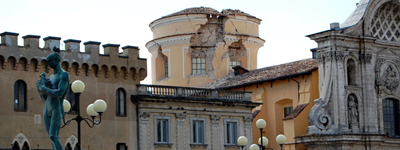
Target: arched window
391,117
120,98
20,96
121,146
25,146
71,97
15,146
351,72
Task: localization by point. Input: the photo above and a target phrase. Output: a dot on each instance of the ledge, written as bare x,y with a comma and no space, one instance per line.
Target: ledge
169,145
31,36
231,146
198,145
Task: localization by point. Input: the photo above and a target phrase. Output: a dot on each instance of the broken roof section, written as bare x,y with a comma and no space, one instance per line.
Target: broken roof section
207,11
266,74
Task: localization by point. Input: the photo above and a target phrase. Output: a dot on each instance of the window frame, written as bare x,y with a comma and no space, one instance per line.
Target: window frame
165,69
121,144
195,70
18,85
192,132
71,97
118,101
394,114
168,119
237,62
288,109
232,139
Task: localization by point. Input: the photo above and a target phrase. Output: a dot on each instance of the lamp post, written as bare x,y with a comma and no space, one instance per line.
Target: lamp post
263,141
281,139
261,125
97,108
242,141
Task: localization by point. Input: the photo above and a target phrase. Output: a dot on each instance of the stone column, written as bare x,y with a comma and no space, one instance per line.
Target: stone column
216,142
248,129
144,130
180,131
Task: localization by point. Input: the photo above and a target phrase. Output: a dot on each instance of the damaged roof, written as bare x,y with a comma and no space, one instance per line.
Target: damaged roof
266,74
207,11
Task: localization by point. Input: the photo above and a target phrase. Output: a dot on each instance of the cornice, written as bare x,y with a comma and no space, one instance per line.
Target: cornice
177,19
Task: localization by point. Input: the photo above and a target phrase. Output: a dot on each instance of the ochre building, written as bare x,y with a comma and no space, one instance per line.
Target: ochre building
195,46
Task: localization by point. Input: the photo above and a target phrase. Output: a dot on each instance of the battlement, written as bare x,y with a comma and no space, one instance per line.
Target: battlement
111,61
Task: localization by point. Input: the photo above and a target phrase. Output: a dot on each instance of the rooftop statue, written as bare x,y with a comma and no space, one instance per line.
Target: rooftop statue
52,91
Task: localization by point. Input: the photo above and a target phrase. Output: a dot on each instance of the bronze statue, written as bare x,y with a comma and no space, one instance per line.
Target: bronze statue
52,91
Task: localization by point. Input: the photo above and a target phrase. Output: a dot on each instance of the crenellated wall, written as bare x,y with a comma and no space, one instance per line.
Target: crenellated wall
111,63
103,75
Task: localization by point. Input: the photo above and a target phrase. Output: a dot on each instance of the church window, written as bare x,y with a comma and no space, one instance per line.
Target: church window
20,96
390,117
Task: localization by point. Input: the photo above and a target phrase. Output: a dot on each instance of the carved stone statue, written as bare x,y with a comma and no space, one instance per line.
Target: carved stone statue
353,111
52,92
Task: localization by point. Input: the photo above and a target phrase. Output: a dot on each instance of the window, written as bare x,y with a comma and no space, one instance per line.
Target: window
236,63
351,72
166,69
20,96
197,130
121,146
287,110
71,97
162,130
120,97
231,131
390,117
198,65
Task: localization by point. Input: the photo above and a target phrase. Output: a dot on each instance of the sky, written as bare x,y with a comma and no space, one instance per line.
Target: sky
284,25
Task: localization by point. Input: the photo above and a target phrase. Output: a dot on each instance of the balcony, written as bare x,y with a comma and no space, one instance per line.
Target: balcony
192,93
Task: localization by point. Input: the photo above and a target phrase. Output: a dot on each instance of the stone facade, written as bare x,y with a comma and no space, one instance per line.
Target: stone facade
21,114
181,106
359,66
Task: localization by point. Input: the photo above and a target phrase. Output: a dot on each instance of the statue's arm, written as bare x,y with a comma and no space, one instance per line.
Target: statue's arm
62,86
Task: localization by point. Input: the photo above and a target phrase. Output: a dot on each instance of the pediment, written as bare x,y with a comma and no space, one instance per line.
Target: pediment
388,53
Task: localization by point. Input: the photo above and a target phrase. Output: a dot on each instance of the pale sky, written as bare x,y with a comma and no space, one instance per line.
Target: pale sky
126,22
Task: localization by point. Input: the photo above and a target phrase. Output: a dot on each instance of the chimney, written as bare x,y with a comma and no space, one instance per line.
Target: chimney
9,38
31,41
335,26
239,70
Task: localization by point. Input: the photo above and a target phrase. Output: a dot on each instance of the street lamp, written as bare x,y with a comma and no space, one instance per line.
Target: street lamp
242,141
93,110
261,125
281,139
263,141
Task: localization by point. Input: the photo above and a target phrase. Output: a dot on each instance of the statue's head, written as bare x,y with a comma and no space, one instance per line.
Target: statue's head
53,59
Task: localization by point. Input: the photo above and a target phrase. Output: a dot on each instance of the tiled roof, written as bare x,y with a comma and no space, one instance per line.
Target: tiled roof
266,74
296,111
206,10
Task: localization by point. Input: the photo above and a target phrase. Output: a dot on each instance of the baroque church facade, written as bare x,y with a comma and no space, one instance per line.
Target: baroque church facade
359,64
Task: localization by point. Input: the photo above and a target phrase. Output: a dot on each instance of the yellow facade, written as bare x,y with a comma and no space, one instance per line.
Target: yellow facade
219,37
275,96
178,38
